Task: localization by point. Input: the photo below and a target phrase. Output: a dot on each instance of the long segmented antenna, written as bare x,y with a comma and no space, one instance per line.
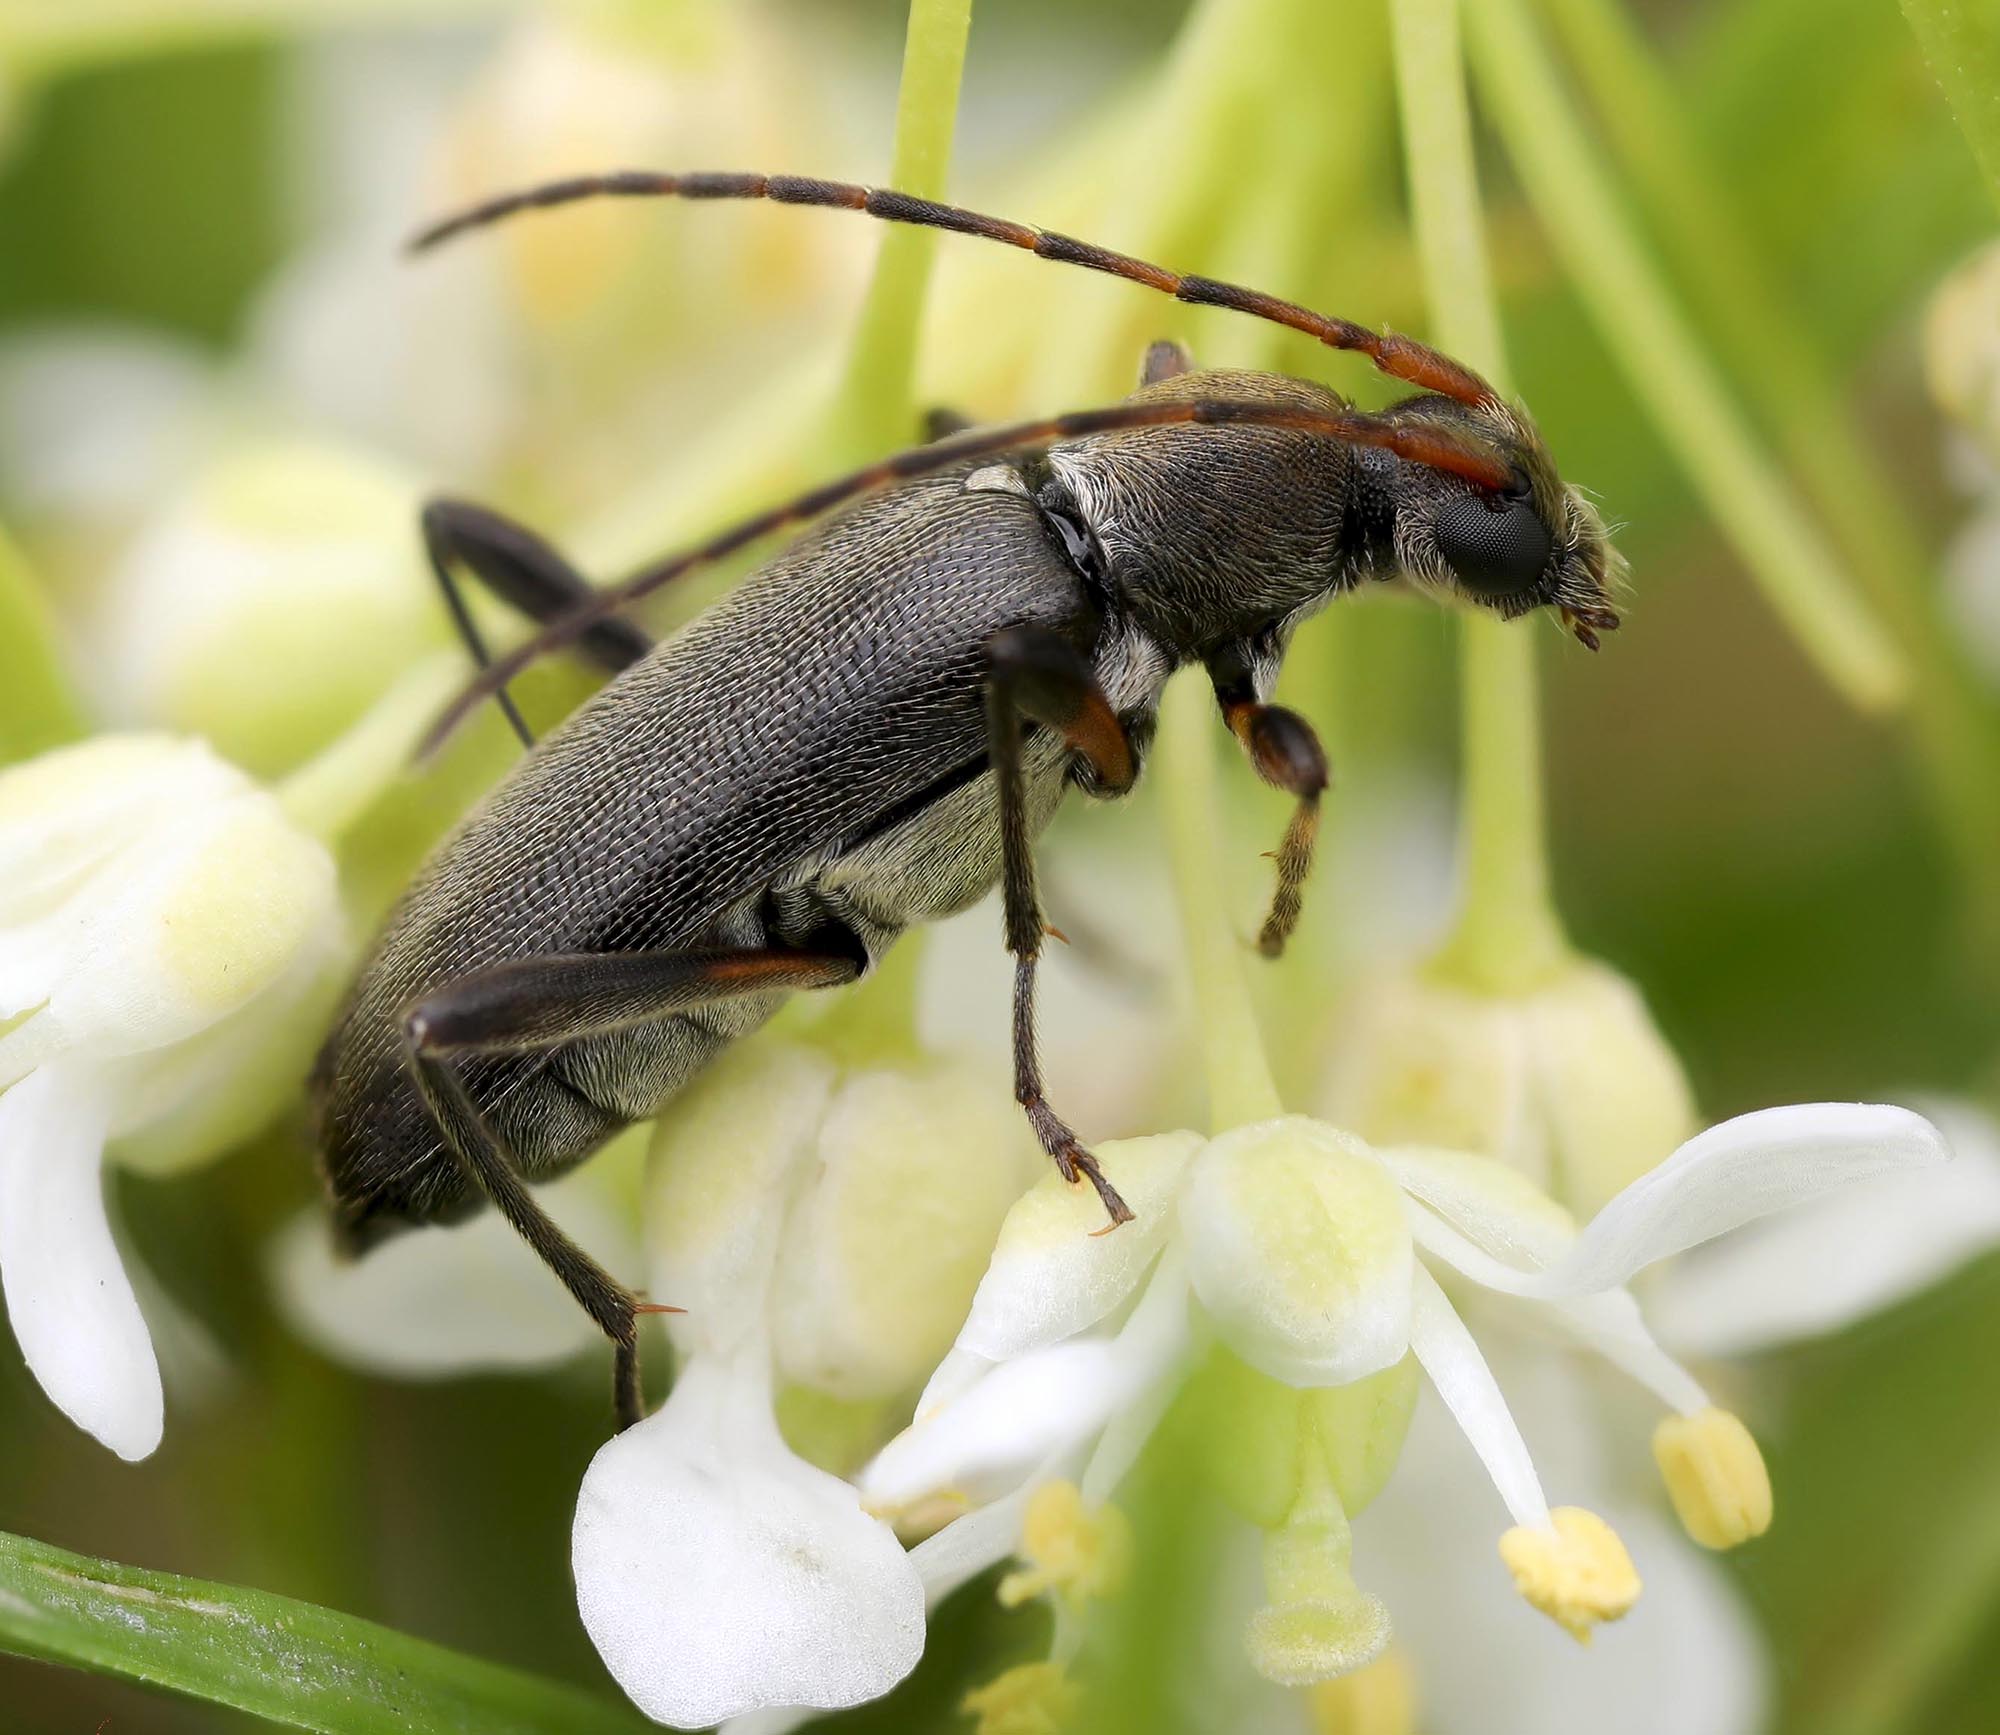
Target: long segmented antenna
1421,442
1400,357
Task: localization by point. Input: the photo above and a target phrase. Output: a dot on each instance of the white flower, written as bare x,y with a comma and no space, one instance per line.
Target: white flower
824,1228
168,941
1312,1254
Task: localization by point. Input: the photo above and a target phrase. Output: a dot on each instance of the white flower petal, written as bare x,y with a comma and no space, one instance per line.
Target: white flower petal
968,1546
1055,1271
725,1166
1743,1169
1609,1322
68,1299
1840,1259
1493,1205
1002,1428
717,1574
1462,1378
1297,1246
1612,1325
463,1298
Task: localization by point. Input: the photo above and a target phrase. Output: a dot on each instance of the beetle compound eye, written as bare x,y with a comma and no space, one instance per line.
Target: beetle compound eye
1497,547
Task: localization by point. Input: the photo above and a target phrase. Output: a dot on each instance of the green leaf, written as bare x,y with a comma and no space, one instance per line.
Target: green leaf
1962,44
297,1664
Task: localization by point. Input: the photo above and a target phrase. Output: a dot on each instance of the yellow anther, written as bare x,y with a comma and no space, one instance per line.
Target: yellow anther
1031,1699
1716,1477
1576,1571
1378,1700
1079,1551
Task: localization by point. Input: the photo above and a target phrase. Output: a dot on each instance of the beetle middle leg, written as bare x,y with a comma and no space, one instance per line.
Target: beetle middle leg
1036,675
1286,753
533,1005
525,571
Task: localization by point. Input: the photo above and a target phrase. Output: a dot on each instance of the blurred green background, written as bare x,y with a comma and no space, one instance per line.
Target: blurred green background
1761,859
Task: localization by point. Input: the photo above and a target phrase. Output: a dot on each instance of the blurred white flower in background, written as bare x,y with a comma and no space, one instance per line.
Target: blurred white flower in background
440,1300
1962,368
575,355
824,1227
169,945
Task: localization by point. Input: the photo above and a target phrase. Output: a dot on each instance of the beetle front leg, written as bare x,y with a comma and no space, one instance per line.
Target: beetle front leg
533,1005
1038,676
1287,755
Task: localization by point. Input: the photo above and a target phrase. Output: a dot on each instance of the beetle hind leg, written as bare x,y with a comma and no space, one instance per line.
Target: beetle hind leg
537,1004
1037,676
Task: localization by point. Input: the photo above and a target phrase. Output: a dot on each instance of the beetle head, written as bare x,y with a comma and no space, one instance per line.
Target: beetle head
1535,542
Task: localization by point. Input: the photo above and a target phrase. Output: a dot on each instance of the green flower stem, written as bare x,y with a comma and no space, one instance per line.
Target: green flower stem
872,409
1961,40
1956,725
1240,1086
335,787
1507,938
37,708
1507,935
1799,573
291,1662
1444,185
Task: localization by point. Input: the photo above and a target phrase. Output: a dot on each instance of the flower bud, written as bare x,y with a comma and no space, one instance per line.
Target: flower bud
1572,1084
847,1211
269,604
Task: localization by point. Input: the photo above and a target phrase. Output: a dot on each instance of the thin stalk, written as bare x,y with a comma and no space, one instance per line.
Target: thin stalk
873,407
1800,575
1240,1086
1955,723
331,791
1962,43
1507,935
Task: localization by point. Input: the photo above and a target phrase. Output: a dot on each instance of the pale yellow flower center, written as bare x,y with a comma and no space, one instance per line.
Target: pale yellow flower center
1076,1550
1576,1571
1715,1476
1030,1699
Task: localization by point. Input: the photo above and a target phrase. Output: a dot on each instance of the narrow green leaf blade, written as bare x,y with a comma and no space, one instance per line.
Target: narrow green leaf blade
295,1663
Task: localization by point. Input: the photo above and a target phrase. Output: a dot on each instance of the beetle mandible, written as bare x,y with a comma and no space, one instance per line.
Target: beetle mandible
871,731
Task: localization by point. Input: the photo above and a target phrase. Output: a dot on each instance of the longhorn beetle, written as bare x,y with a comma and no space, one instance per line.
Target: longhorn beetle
871,731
